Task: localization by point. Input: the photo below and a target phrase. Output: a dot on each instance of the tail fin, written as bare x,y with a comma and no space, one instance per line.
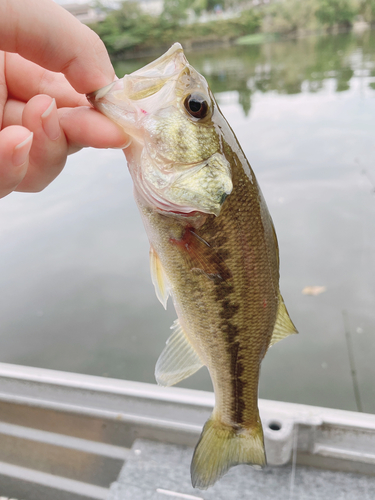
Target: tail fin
220,447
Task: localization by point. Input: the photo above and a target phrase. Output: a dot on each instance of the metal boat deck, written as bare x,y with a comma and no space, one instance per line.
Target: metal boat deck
78,437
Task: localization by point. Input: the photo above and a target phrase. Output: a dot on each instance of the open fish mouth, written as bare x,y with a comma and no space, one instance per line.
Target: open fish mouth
148,90
143,83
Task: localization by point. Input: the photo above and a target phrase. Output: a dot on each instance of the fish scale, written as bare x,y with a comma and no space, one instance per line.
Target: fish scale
213,249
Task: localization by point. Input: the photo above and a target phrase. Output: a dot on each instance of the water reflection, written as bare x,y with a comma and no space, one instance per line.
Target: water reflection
290,67
75,287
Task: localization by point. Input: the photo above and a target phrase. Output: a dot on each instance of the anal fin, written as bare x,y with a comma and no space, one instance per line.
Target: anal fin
178,359
284,325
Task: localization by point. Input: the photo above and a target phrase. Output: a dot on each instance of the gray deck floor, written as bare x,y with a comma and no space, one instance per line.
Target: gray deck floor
160,471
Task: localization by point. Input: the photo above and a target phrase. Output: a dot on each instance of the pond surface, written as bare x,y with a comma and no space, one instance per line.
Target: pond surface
76,293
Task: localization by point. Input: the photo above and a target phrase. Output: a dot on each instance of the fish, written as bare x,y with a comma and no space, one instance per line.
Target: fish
213,249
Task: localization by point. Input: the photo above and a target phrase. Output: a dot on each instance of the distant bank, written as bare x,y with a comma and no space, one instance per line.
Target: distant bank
134,30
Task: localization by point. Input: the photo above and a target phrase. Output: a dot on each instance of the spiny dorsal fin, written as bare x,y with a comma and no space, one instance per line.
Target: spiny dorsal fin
284,325
178,359
159,279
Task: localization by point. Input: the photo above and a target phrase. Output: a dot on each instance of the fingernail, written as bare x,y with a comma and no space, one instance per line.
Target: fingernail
21,151
50,122
125,145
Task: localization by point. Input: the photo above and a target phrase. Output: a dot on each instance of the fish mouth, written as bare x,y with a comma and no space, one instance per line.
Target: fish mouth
146,81
128,100
169,63
100,93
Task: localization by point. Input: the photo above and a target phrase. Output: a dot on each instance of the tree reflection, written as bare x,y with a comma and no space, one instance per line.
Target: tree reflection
288,67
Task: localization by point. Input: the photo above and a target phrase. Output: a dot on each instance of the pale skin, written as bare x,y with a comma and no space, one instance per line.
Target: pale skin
48,62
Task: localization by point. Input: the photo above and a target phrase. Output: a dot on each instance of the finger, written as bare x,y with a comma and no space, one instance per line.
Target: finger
49,150
13,113
15,144
59,42
26,79
85,126
3,86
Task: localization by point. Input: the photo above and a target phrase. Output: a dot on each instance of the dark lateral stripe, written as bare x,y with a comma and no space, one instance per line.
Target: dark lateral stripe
224,290
228,311
237,385
231,332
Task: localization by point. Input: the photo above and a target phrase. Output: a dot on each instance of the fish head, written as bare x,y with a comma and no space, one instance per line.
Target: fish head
176,158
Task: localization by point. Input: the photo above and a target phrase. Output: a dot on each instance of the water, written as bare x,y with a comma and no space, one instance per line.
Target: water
75,289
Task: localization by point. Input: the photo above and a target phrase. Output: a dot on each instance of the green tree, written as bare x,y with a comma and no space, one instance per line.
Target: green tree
174,12
367,10
124,28
289,16
331,12
211,4
199,6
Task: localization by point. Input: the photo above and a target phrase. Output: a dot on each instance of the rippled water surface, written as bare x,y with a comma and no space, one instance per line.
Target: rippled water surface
75,288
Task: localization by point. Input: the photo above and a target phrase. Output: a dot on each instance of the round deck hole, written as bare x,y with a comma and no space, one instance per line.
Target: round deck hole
275,426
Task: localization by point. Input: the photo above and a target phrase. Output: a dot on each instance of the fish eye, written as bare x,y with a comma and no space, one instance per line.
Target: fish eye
196,105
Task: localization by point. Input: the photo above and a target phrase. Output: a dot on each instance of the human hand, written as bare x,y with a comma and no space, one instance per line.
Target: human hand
44,115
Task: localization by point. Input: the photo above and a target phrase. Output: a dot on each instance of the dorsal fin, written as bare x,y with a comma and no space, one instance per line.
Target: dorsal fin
159,279
284,325
178,359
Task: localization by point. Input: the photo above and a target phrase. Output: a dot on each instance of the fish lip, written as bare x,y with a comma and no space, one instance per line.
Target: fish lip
157,66
160,62
100,93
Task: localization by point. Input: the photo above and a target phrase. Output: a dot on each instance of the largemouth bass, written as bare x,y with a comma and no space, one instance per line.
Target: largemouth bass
213,249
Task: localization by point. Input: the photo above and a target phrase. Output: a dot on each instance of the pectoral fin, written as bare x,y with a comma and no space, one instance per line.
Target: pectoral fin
200,257
159,279
178,359
284,325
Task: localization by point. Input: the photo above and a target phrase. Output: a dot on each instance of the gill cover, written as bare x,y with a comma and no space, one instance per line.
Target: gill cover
176,158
